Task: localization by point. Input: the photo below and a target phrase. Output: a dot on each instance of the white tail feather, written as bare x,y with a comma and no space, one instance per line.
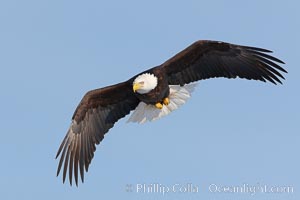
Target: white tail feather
178,96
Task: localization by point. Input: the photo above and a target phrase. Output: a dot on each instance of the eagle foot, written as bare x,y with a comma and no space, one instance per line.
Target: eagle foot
159,105
166,101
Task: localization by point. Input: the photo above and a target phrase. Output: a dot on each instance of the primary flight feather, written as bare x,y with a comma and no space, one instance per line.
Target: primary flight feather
155,93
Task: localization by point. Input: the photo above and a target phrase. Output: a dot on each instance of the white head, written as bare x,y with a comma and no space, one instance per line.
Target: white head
144,83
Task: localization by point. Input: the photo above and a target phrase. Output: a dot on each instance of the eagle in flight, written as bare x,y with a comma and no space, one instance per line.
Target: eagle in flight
155,93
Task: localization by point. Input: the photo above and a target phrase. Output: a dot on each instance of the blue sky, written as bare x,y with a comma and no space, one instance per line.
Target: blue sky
232,132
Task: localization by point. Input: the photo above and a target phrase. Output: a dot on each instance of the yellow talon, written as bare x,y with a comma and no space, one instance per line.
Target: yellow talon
166,101
159,105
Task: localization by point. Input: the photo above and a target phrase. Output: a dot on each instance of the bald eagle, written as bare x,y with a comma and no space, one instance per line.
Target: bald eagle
155,93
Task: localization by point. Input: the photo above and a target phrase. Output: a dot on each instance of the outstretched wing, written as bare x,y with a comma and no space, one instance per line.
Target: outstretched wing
209,59
95,115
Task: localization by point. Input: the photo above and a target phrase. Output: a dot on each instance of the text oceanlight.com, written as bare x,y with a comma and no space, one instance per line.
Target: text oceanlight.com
250,189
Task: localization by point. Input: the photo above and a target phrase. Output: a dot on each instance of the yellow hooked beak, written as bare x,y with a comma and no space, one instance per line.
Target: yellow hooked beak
136,86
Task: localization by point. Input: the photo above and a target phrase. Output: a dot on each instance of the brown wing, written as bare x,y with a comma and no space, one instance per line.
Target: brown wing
95,115
210,59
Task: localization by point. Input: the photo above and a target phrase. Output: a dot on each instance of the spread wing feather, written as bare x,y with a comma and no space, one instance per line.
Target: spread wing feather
209,59
95,115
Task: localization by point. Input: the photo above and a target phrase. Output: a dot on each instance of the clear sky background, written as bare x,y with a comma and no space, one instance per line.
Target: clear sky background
232,132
